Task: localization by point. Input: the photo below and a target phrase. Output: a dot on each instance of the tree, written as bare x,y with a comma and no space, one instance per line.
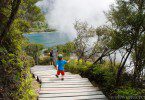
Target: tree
128,22
102,45
84,32
7,22
96,51
31,13
15,80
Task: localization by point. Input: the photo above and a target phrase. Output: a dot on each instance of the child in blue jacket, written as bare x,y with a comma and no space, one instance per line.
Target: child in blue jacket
60,66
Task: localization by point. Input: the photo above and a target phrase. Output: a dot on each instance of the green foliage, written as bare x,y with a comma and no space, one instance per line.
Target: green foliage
67,48
31,13
16,78
128,19
22,25
44,60
105,76
78,67
128,92
34,50
26,90
46,51
16,17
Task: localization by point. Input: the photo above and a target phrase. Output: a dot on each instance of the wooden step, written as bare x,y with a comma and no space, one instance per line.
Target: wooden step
49,73
65,80
67,83
68,90
43,68
70,94
65,86
66,76
97,97
61,88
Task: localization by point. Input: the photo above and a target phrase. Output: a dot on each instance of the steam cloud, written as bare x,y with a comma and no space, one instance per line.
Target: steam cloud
62,14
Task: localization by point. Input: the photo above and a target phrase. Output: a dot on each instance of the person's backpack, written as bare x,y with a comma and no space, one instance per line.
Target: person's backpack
51,53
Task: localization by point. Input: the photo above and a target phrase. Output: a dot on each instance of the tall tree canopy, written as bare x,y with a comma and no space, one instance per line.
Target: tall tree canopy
128,22
16,17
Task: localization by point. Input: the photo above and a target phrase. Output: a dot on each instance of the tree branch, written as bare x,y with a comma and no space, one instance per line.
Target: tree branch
15,7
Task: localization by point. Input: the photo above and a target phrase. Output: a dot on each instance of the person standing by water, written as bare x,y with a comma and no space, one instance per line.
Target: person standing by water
51,57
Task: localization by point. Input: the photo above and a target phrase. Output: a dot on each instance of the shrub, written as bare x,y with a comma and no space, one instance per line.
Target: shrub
102,74
105,76
34,50
15,80
77,67
46,52
67,48
129,93
44,60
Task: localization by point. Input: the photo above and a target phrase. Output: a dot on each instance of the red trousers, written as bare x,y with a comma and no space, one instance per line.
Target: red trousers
60,72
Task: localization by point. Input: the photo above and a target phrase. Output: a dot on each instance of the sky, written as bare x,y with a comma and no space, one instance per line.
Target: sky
63,14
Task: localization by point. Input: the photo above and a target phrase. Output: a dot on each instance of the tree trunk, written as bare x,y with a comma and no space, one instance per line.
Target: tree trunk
120,70
139,64
15,7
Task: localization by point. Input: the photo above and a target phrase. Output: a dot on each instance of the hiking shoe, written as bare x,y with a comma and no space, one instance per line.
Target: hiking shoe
62,79
56,76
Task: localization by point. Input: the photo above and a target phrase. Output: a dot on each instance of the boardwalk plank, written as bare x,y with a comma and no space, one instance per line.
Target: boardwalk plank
69,83
69,94
69,91
52,73
59,80
65,86
67,76
77,88
66,79
74,87
76,98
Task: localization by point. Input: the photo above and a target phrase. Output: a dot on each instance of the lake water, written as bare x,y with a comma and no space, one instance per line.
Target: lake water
48,39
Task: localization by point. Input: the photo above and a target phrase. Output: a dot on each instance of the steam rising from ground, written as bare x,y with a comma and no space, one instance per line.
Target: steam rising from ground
62,14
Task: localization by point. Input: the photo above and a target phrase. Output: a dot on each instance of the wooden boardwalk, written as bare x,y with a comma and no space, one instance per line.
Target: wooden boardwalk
73,87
